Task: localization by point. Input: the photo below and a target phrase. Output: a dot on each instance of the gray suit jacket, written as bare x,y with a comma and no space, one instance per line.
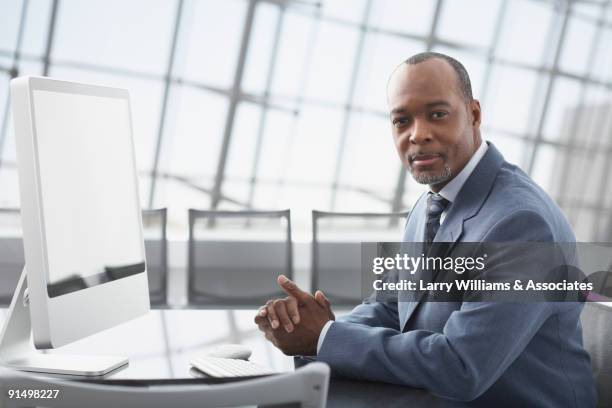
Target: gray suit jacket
528,354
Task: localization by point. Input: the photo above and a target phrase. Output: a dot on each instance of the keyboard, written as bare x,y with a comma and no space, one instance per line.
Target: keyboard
228,367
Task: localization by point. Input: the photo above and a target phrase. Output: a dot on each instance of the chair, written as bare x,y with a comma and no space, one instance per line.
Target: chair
306,387
12,259
597,339
234,257
154,223
336,253
602,283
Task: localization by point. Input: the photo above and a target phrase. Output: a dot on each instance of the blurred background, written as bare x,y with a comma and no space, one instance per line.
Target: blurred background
274,104
280,104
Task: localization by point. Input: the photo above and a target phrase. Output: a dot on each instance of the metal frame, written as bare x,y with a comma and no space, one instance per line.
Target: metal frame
164,107
265,103
349,101
535,139
316,216
566,12
233,105
195,299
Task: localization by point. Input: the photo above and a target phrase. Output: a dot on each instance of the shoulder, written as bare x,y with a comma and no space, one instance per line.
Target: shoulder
517,208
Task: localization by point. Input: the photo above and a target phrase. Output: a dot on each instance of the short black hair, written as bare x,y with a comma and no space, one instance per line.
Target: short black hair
465,85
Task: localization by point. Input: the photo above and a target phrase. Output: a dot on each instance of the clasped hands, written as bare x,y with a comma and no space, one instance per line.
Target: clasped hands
293,324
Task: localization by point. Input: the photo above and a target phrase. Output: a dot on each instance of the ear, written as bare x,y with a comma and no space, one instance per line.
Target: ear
476,113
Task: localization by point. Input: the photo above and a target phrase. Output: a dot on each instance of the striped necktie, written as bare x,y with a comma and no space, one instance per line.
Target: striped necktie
436,204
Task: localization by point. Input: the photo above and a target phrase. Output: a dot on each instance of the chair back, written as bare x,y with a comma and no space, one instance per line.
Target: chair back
154,223
597,339
12,258
336,250
234,257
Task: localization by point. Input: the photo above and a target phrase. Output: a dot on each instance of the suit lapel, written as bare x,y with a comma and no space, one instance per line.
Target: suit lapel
413,234
468,202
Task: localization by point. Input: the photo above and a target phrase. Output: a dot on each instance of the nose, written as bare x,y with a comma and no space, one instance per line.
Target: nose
420,133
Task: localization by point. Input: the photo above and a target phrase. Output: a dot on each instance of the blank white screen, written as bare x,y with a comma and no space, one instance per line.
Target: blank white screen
88,186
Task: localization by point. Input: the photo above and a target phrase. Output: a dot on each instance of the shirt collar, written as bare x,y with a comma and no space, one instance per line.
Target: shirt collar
451,190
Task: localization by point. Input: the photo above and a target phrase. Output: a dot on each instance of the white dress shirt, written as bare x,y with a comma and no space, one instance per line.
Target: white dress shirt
449,192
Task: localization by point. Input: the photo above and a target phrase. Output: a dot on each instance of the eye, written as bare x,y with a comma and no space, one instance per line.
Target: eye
399,122
439,114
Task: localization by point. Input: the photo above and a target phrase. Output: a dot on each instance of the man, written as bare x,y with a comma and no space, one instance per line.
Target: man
488,352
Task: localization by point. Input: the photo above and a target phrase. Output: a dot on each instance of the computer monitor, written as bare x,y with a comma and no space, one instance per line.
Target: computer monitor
81,219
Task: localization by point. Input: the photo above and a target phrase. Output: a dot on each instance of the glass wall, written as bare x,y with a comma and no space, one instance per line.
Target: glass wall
281,104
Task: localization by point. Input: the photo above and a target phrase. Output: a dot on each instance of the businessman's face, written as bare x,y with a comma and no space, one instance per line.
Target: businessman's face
435,130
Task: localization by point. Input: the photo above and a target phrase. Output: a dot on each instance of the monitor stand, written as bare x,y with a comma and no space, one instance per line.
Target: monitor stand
17,350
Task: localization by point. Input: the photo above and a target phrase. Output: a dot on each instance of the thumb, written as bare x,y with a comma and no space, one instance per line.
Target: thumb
322,300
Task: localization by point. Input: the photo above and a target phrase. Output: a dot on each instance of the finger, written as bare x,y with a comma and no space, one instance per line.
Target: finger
262,323
272,316
264,327
293,309
263,312
281,310
290,288
322,300
270,337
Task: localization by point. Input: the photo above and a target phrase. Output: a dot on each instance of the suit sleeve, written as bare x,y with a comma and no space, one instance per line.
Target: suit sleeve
374,314
377,311
478,343
367,314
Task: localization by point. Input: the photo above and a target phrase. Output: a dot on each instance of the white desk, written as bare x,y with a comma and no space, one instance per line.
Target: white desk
163,342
